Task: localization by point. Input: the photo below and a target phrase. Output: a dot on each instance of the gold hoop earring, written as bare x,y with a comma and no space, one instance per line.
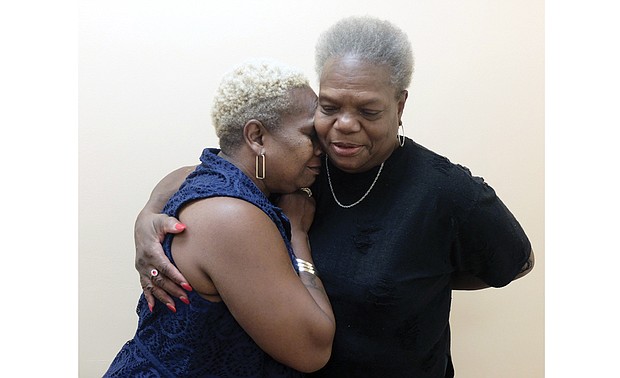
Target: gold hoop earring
260,166
401,137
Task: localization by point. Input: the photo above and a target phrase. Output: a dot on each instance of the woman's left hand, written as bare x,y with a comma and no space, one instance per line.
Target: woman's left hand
299,208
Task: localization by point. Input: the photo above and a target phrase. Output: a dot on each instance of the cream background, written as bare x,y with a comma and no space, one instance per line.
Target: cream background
147,72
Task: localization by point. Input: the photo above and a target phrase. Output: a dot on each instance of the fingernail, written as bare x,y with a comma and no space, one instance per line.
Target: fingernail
179,226
171,307
186,286
184,300
150,307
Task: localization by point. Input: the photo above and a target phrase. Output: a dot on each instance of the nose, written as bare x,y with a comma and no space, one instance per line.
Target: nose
347,123
317,150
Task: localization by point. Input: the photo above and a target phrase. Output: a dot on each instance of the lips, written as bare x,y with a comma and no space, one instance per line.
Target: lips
315,169
346,149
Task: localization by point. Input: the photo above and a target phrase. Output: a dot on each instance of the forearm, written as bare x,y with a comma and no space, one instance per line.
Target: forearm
165,189
149,230
313,283
466,281
527,267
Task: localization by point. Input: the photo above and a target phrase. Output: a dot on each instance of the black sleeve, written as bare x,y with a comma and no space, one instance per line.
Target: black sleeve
491,243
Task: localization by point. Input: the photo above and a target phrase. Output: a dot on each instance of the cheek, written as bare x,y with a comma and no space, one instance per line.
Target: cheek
297,153
385,131
305,151
322,127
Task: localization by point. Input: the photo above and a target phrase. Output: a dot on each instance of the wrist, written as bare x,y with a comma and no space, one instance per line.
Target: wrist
306,266
301,247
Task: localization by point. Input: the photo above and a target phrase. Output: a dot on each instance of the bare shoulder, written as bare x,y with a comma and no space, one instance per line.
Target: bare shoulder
226,225
220,234
222,213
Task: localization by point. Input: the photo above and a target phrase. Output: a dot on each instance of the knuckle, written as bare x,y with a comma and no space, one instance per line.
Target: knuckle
158,281
165,269
140,263
147,253
159,295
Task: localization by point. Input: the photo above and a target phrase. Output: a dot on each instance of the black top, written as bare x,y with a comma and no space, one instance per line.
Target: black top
386,263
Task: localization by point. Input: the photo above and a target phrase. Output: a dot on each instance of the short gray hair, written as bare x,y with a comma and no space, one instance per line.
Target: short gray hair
256,89
371,40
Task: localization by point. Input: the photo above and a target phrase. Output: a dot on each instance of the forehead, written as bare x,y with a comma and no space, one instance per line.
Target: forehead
303,100
302,109
353,79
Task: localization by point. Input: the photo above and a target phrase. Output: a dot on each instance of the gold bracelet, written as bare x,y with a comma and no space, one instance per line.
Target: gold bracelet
304,266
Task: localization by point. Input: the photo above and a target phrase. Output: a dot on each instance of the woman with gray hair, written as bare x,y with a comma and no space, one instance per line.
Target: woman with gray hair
397,226
257,308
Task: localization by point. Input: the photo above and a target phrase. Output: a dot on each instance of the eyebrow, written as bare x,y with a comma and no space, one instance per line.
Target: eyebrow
363,102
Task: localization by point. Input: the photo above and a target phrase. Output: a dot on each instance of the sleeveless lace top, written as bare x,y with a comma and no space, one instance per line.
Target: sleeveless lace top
201,339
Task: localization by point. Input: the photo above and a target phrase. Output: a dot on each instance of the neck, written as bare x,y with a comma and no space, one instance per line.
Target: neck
352,186
246,164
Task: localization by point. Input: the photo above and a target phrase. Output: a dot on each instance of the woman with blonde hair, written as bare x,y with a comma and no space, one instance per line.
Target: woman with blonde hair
397,226
257,308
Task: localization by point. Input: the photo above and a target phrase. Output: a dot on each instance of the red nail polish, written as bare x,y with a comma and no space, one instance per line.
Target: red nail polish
171,307
179,226
186,286
184,300
150,308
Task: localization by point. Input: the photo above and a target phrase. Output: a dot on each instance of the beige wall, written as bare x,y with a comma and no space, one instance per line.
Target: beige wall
147,73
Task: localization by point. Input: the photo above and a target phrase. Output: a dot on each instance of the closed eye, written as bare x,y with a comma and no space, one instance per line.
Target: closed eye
328,109
370,113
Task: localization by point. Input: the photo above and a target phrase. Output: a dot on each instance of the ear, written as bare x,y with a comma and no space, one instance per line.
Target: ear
401,103
253,133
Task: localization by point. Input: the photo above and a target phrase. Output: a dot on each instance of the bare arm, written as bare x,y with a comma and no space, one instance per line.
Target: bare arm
464,281
299,208
149,230
240,256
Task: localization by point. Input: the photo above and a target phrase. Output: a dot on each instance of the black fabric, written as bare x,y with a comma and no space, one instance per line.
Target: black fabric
386,263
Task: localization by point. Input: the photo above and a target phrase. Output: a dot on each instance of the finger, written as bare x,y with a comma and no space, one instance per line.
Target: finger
307,191
168,277
160,288
170,287
163,297
146,289
170,225
152,293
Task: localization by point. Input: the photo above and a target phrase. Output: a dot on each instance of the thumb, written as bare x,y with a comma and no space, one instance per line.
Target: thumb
175,226
170,225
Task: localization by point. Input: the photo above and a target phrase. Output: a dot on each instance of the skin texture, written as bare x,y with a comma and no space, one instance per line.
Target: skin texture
356,123
239,256
358,115
293,158
253,275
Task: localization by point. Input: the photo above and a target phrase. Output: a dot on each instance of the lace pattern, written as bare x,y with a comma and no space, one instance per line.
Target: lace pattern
201,339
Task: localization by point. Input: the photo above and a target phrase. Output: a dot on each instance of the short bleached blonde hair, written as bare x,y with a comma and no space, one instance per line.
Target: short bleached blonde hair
256,89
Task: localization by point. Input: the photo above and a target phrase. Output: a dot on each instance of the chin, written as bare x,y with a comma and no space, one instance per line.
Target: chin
308,183
347,164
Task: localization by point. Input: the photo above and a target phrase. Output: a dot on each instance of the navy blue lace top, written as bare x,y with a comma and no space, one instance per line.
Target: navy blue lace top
201,339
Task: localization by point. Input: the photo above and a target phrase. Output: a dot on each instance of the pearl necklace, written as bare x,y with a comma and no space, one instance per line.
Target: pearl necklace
329,180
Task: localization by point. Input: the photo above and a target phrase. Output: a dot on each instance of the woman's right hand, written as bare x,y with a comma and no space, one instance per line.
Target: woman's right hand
149,231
